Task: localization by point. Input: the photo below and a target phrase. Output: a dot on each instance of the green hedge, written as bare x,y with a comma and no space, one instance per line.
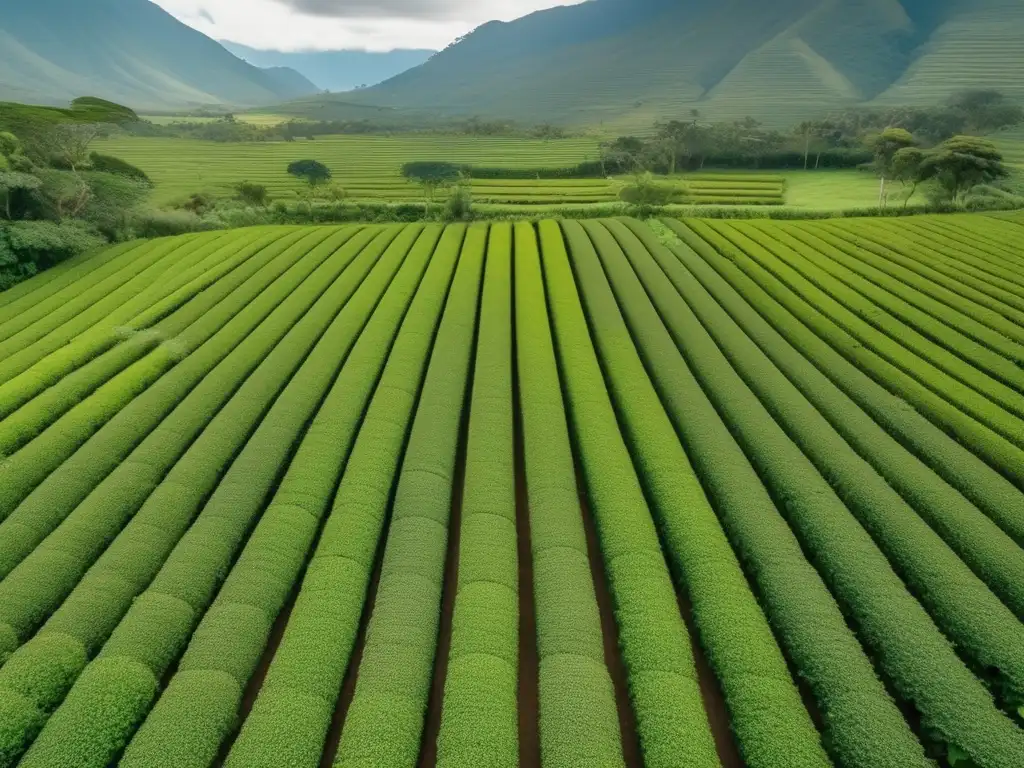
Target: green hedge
930,262
996,264
80,460
384,723
914,655
653,639
578,718
160,623
962,383
41,395
733,630
99,601
993,447
310,664
981,324
90,613
982,627
480,715
943,335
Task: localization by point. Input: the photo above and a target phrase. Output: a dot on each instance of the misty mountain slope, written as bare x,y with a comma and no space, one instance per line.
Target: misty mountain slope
981,45
625,63
335,70
129,51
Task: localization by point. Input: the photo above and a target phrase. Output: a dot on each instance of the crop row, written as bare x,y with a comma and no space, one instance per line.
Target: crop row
158,519
888,619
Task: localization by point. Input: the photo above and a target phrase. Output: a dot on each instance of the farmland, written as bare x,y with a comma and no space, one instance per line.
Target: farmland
368,168
605,494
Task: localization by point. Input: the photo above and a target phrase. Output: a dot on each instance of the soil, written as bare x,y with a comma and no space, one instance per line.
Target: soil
610,631
348,685
435,704
714,700
529,663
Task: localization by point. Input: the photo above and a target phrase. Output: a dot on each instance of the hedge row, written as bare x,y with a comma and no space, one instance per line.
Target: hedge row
967,359
55,285
196,389
930,262
980,323
51,472
54,371
225,649
732,628
989,401
385,721
999,453
981,626
653,640
914,655
151,261
92,611
863,726
116,691
480,713
579,723
945,407
1003,274
967,261
56,385
924,465
292,715
963,230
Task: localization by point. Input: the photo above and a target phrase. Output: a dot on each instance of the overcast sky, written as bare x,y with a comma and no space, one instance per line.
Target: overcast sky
374,25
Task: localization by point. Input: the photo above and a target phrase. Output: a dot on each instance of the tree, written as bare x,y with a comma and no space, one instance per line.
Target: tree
431,175
252,194
67,144
961,163
985,110
885,146
907,169
674,141
313,172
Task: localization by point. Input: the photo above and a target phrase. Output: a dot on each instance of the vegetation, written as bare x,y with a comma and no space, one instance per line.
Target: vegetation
623,462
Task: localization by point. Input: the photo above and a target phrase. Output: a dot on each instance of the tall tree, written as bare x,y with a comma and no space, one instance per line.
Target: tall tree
962,163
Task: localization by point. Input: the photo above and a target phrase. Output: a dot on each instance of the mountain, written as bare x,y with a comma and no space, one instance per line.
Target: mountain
623,64
336,70
128,51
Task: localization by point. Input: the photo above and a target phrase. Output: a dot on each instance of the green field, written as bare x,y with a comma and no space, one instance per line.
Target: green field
369,168
254,118
607,494
1011,144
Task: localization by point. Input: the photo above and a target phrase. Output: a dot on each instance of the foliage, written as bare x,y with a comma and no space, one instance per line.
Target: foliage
962,163
459,205
117,166
313,172
252,194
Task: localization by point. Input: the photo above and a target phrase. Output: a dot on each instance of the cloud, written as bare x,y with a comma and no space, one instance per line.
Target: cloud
367,25
438,10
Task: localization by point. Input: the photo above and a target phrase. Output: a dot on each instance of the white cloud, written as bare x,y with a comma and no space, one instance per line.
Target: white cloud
372,25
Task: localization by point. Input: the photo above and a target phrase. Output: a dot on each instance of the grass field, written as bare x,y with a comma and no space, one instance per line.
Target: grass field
369,168
1011,144
581,495
255,118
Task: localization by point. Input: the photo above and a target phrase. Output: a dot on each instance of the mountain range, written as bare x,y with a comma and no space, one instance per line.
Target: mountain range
623,64
336,70
128,51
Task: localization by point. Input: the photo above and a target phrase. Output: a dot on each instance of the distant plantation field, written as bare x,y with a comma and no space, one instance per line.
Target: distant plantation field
366,166
576,495
369,168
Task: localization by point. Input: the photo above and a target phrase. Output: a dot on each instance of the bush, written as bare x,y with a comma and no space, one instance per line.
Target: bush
460,204
117,166
253,194
156,223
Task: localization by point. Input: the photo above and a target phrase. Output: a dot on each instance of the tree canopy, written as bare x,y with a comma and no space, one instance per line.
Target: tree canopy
313,172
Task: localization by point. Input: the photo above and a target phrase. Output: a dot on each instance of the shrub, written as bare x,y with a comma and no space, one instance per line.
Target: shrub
117,166
252,194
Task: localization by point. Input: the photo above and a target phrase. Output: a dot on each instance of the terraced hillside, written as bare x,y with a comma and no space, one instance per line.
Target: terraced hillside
604,494
368,168
622,64
1011,144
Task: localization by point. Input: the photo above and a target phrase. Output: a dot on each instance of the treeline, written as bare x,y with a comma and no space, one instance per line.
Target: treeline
231,128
